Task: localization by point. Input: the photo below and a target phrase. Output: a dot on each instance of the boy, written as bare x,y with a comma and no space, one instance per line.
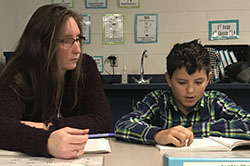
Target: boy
185,111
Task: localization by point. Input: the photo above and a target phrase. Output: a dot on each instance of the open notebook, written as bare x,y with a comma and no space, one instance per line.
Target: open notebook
97,145
209,144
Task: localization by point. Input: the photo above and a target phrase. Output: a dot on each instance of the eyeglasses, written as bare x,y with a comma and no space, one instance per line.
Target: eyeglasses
68,42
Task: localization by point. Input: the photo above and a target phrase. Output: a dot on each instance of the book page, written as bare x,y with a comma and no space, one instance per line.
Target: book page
199,144
231,142
97,145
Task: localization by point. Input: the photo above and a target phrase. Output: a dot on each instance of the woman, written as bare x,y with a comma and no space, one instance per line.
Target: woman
51,95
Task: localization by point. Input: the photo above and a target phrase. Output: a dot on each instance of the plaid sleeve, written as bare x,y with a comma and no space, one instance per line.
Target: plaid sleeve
136,126
226,118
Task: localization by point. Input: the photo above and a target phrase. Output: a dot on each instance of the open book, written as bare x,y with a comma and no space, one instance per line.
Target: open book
97,145
209,144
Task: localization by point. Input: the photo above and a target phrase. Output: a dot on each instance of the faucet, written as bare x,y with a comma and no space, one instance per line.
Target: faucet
142,80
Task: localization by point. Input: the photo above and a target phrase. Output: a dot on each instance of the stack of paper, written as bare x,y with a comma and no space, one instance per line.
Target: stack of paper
97,145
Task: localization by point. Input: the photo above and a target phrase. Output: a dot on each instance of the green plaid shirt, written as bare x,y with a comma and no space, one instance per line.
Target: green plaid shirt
214,115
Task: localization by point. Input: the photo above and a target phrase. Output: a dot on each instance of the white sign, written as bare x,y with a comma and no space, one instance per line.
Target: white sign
99,62
146,28
86,28
226,29
96,3
66,3
113,29
129,3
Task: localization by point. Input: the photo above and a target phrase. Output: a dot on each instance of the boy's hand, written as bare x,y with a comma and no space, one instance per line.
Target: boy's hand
178,136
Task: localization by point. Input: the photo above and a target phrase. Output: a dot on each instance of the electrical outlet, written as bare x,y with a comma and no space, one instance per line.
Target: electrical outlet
114,64
113,60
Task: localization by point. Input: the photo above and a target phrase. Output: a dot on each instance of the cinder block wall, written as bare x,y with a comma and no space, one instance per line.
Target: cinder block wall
179,21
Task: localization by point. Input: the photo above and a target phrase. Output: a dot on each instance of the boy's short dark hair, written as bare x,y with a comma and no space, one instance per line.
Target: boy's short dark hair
191,55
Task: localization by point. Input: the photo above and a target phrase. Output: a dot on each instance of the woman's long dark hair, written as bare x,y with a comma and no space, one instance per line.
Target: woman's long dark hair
33,70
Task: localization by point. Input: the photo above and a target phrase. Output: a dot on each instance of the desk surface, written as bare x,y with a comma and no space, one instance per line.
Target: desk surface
122,154
128,154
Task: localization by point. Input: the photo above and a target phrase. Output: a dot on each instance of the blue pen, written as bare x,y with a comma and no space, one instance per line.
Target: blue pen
101,135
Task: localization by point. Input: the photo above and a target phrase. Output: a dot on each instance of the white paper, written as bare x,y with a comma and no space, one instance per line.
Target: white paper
113,28
129,3
41,161
97,145
86,24
66,3
96,3
146,28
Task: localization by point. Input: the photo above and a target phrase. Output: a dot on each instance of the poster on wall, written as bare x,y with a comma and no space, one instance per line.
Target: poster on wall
99,63
113,29
146,28
129,3
66,3
86,28
223,29
95,4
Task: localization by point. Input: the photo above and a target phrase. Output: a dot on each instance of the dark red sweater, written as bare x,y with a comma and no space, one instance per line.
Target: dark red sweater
91,112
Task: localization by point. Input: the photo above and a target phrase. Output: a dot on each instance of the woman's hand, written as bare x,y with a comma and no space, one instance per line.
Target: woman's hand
38,125
67,143
178,136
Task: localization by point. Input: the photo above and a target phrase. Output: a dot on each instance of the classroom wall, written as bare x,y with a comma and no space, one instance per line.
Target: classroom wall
179,21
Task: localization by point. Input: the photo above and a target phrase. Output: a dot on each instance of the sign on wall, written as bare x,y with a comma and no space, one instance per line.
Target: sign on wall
129,3
66,3
99,62
113,29
223,29
146,28
95,4
86,28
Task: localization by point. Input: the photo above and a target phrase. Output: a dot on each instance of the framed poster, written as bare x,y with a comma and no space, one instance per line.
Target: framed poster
129,3
146,28
95,4
223,29
66,3
99,62
113,29
86,28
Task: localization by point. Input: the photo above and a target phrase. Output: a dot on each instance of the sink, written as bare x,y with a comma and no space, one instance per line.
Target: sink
157,79
128,84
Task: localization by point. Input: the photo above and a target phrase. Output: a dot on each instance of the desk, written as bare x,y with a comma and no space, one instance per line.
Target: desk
128,154
122,154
